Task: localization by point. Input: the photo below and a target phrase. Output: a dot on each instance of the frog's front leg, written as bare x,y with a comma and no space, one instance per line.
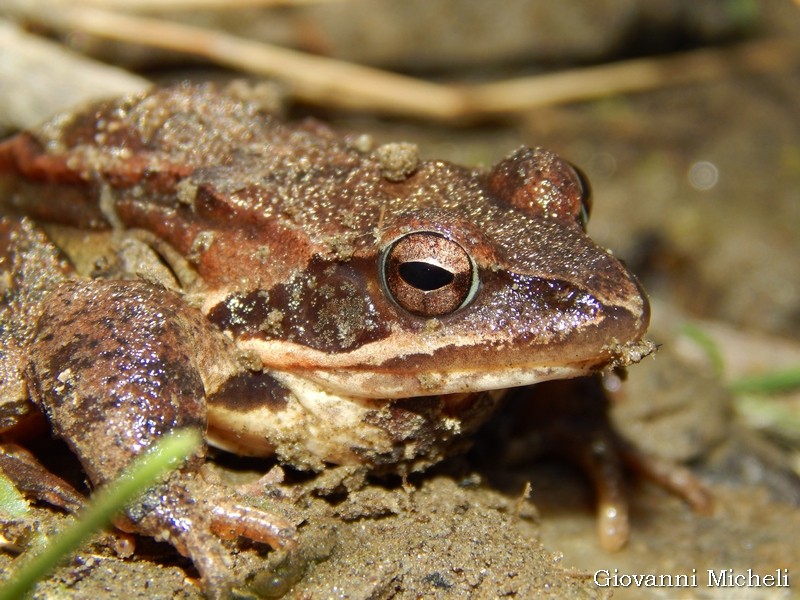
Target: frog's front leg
571,418
114,366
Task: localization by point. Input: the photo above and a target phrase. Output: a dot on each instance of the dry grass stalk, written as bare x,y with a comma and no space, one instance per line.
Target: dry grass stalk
135,6
339,84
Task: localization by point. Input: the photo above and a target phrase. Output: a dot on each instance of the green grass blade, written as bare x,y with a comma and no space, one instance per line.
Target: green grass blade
774,382
706,344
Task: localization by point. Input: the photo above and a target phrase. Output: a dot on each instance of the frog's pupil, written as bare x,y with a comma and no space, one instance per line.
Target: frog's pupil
425,276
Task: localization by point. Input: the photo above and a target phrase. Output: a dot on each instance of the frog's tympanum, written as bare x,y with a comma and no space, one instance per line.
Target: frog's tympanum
182,259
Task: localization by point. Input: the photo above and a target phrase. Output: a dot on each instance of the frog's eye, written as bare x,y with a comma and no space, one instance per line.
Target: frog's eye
542,185
428,275
585,195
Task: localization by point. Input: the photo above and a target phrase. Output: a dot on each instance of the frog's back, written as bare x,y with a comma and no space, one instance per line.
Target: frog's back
187,163
197,166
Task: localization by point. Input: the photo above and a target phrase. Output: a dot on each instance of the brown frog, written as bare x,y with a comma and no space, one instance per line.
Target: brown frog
182,259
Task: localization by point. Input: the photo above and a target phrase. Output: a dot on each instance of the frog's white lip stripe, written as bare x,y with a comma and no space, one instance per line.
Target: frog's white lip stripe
374,383
387,386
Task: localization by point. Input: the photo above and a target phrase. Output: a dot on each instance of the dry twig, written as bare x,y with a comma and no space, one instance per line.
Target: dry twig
136,6
345,85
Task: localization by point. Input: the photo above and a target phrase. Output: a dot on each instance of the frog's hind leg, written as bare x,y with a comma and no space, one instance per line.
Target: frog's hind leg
117,364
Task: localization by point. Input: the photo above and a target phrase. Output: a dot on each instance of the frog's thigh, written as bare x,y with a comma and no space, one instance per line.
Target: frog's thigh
113,368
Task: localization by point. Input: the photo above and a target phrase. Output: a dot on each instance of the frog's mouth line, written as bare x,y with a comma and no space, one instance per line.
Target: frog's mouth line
406,364
388,385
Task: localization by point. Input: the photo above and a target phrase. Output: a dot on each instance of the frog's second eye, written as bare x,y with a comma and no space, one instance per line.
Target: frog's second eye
428,275
585,196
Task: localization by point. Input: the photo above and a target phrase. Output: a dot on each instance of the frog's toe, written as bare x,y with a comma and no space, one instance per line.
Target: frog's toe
35,481
195,516
233,519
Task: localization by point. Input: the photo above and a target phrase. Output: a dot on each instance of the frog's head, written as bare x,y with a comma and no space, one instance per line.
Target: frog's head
517,297
466,281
